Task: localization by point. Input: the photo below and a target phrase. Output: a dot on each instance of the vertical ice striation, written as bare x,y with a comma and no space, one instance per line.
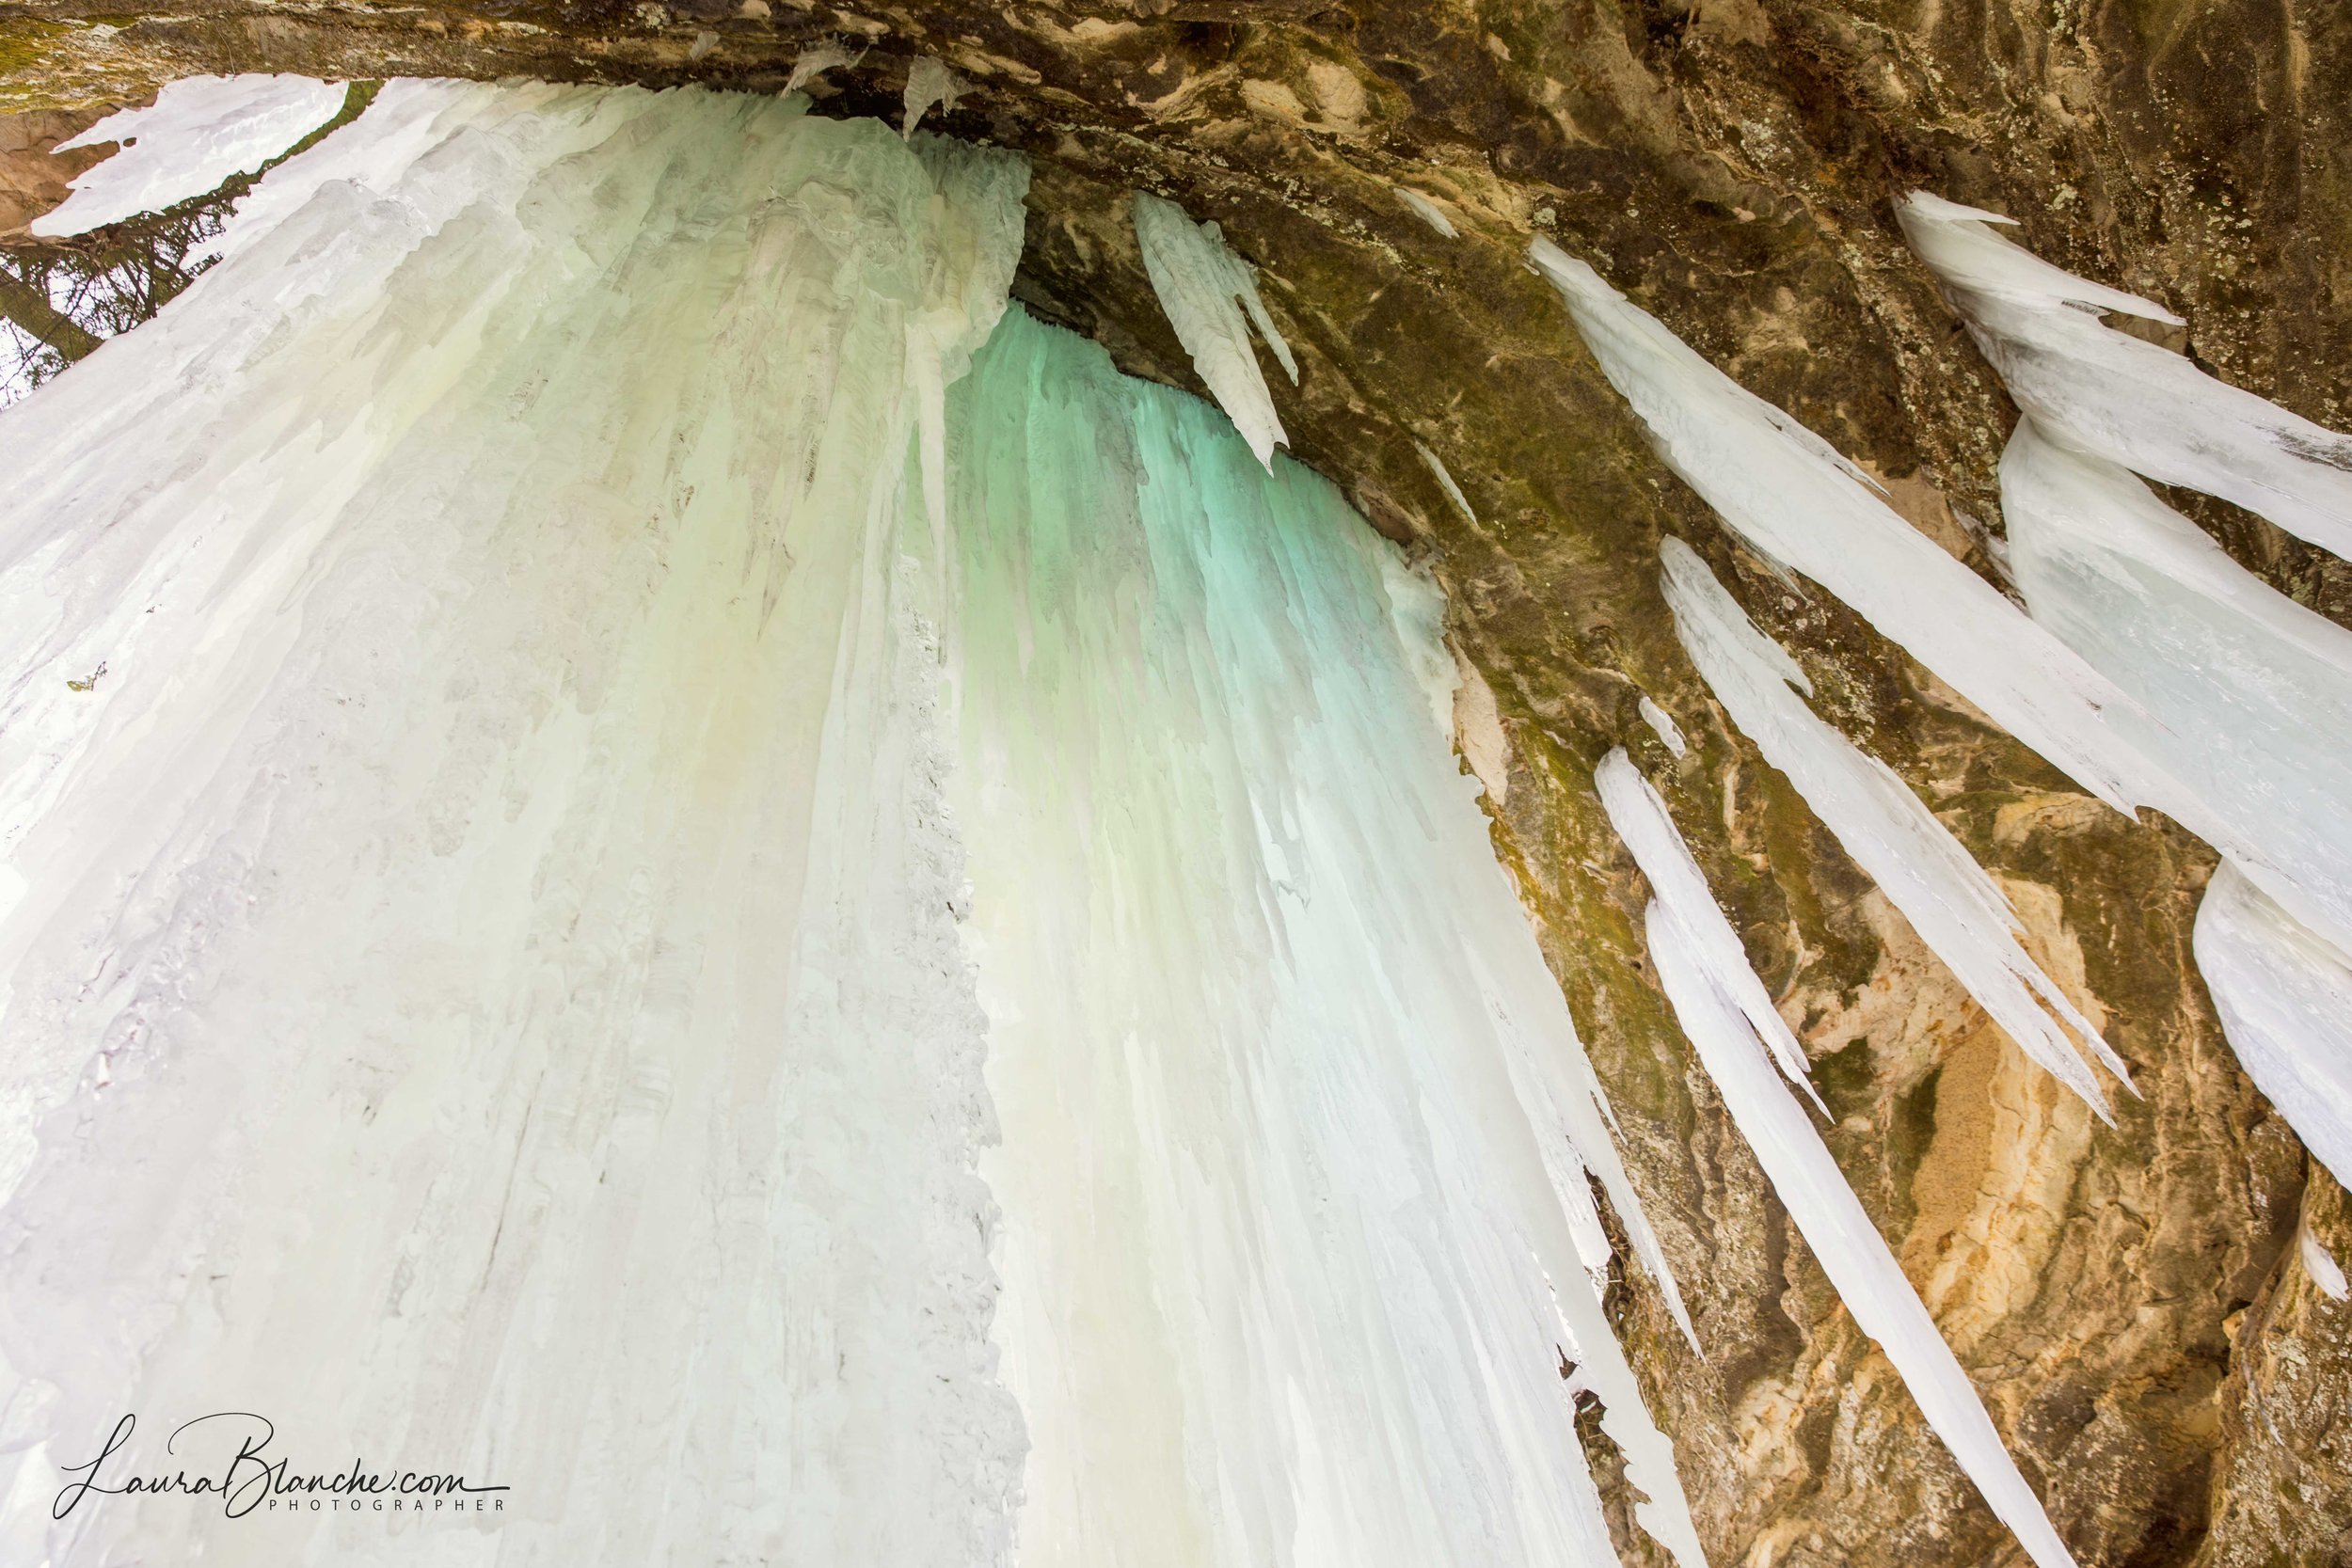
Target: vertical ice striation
1204,287
2130,401
2245,696
487,931
1296,1126
1956,909
199,131
1792,497
1707,979
2285,999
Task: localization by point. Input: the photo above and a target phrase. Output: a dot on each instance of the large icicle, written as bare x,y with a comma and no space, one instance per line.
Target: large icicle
1204,287
487,932
2321,1264
2131,402
199,131
1793,497
1956,909
1707,979
817,58
1426,210
930,85
2285,999
1639,818
1297,1228
1437,471
2246,695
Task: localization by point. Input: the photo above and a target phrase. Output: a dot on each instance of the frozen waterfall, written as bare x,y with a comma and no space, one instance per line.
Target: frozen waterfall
481,986
625,871
1247,1084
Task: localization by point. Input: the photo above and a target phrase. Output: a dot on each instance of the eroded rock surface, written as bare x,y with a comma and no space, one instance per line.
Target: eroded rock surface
2128,1299
33,177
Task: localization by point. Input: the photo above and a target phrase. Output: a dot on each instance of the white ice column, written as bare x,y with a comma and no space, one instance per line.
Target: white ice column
1298,1229
482,983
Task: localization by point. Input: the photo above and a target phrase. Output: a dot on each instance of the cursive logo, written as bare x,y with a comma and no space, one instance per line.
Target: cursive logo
250,1478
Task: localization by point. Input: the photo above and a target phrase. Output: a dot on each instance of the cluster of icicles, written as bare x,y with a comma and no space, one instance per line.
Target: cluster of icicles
2147,666
651,849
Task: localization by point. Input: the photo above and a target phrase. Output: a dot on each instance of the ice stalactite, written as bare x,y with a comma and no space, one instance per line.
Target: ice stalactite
1662,726
484,935
1793,497
2131,402
1923,870
199,130
1639,818
2321,1264
1426,210
1437,471
2245,696
816,60
1708,981
930,85
1204,287
2285,999
1297,1125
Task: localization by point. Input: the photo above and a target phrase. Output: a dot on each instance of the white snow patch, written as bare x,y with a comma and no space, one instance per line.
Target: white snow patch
199,131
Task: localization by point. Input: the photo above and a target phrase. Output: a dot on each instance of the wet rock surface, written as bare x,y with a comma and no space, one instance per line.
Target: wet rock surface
2129,1300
